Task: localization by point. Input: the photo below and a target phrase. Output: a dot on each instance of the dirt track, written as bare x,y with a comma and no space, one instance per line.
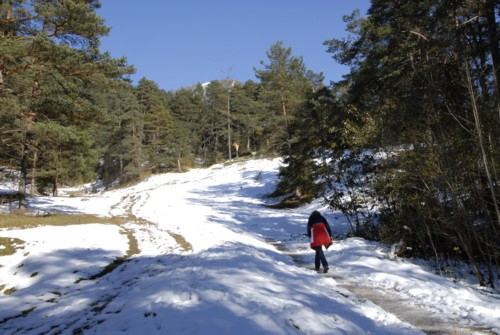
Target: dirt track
401,307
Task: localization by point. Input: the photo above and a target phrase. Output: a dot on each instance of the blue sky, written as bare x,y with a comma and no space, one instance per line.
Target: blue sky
176,43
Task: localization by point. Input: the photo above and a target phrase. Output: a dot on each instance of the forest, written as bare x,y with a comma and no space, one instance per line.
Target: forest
407,145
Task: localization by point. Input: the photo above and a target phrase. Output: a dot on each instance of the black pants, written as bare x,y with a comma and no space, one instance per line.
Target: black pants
320,258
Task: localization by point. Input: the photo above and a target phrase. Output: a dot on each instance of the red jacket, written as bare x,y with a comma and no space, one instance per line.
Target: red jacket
319,235
318,230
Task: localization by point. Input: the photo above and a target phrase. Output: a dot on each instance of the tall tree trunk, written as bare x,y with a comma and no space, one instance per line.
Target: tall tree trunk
287,127
285,115
29,116
33,173
1,81
121,165
230,155
54,187
248,141
479,133
465,242
23,181
494,49
434,250
135,159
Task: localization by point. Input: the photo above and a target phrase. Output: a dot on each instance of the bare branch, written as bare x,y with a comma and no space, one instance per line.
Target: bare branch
419,34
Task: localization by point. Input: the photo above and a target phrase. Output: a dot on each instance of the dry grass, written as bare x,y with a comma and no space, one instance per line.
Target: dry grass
11,221
185,245
8,246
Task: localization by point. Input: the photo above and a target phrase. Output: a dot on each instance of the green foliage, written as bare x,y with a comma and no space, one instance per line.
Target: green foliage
248,117
204,126
410,136
158,124
422,90
285,86
124,155
349,190
187,108
48,64
213,122
308,131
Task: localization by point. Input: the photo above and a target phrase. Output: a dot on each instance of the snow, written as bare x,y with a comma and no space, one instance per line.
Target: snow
208,264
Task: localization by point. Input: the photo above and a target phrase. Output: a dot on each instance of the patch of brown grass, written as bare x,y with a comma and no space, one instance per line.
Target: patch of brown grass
9,245
11,221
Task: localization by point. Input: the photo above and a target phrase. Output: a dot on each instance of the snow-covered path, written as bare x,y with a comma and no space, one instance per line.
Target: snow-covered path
205,267
403,306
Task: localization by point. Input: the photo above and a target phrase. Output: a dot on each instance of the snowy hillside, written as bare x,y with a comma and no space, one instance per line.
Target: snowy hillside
213,260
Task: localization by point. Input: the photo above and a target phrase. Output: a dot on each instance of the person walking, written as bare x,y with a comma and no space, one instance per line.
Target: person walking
320,235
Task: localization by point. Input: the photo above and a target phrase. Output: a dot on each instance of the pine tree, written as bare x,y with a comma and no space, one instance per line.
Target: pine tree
422,82
124,155
43,39
158,123
63,155
285,86
214,122
249,117
316,139
187,108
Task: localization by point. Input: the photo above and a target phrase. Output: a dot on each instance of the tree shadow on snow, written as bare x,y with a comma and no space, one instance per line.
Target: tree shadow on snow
223,290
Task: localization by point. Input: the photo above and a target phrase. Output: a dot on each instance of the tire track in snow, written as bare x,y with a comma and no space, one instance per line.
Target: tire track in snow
128,202
93,312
